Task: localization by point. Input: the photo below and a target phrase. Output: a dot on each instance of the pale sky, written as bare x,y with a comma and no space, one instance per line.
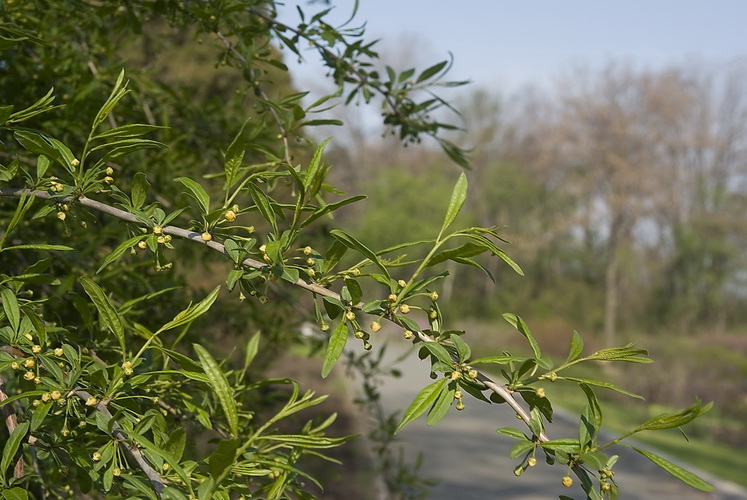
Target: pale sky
504,45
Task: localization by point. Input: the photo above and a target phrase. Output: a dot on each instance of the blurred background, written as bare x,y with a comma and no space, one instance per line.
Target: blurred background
611,139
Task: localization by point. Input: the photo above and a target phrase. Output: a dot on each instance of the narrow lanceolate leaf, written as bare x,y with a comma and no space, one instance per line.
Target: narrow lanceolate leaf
264,205
107,313
458,195
11,446
441,406
577,347
354,244
312,180
522,328
37,246
11,309
139,188
120,250
234,156
198,193
336,344
220,385
192,312
678,419
422,402
678,472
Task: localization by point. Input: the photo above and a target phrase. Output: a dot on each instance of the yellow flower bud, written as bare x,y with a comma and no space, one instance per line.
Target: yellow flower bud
29,375
117,471
142,245
540,392
206,236
350,316
75,162
91,401
37,381
263,248
456,375
408,334
472,374
29,336
58,351
375,326
230,215
359,334
109,171
157,230
61,215
567,481
402,283
531,461
15,366
29,363
307,250
404,309
434,296
109,179
55,395
45,397
36,349
161,240
96,456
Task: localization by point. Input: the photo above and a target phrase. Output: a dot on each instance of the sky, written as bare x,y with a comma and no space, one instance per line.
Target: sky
504,45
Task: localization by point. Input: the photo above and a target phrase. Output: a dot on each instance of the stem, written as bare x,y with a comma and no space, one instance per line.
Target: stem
502,390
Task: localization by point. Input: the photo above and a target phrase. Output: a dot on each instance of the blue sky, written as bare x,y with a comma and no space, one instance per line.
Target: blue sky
504,45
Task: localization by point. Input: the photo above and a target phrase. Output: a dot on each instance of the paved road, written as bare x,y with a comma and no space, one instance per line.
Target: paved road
470,460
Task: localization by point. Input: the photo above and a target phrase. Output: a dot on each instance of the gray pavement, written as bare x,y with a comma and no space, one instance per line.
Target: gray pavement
470,460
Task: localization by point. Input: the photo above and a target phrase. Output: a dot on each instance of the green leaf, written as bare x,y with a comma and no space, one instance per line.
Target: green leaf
198,193
15,494
223,457
312,180
192,312
11,446
107,313
140,187
512,433
354,244
677,471
264,205
566,445
463,350
441,406
605,385
252,348
120,250
356,293
500,360
520,448
577,347
422,402
522,328
667,421
157,450
40,413
11,308
458,195
336,344
219,384
466,250
234,156
38,246
433,70
330,208
439,352
591,419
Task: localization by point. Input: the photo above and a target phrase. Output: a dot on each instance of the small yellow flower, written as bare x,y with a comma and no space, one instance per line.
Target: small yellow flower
392,297
350,316
61,215
157,230
230,215
109,171
359,334
456,375
55,395
402,283
29,363
45,397
458,395
375,326
36,349
37,381
165,467
75,162
29,376
567,481
307,250
460,405
35,403
65,432
15,366
367,346
29,336
117,471
434,296
161,240
356,272
109,179
263,248
408,334
206,236
142,245
91,401
540,392
96,456
58,351
311,272
405,309
310,261
167,238
531,461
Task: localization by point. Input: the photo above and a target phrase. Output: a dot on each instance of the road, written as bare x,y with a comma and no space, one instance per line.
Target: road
470,461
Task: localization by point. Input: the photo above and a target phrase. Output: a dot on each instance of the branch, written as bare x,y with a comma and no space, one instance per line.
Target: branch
501,390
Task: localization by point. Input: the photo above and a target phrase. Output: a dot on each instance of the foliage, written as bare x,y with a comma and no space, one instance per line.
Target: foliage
103,374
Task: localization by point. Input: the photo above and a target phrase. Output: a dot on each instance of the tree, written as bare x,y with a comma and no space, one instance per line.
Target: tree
106,369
